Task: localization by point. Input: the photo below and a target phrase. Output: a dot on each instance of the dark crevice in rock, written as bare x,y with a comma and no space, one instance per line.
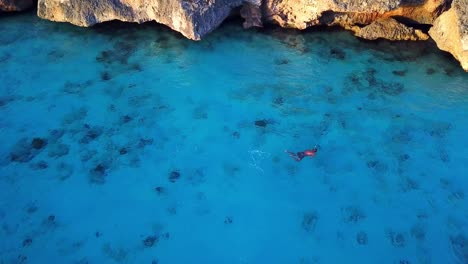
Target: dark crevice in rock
412,23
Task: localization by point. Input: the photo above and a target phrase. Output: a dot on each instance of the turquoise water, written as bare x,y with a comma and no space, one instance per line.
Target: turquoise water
130,144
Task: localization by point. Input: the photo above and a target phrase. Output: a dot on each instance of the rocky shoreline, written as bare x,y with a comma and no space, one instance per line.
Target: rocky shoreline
368,19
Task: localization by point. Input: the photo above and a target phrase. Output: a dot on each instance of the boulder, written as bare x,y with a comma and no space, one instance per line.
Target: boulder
388,28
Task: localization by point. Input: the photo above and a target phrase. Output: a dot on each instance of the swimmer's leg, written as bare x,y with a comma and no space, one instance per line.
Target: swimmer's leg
300,156
293,155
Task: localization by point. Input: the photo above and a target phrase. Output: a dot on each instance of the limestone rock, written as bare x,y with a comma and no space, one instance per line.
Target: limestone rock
301,14
192,18
422,12
389,28
252,14
450,31
15,5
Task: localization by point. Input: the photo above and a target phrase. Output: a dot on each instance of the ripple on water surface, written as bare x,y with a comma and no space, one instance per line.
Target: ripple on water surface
130,144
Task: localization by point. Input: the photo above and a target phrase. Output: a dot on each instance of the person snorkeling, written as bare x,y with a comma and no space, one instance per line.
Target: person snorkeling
302,154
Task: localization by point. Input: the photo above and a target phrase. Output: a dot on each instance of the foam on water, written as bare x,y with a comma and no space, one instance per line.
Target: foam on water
130,144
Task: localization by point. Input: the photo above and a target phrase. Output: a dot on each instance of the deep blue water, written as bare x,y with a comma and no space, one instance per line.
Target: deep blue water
130,144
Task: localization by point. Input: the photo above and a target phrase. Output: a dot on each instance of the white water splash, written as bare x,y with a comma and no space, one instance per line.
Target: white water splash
256,157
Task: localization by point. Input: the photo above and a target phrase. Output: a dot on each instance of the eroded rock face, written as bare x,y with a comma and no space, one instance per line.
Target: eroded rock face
304,13
450,31
252,14
15,5
389,28
301,14
352,14
192,18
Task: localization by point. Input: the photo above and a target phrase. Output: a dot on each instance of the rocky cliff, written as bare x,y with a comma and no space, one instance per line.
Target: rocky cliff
450,31
369,19
192,18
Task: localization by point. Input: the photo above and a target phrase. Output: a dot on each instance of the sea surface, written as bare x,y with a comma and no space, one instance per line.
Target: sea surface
127,143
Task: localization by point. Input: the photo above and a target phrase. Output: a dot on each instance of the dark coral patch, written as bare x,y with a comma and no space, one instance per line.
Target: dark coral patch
439,130
352,214
309,221
125,119
160,190
402,136
143,142
367,81
337,54
264,122
123,151
27,242
98,173
397,239
40,165
281,61
418,232
228,220
361,238
449,72
21,259
5,57
38,143
55,134
119,54
31,209
91,133
24,150
377,166
105,76
444,157
136,67
278,101
76,88
399,73
409,184
261,123
200,113
55,55
150,241
392,88
4,100
460,247
51,219
236,134
172,210
174,176
430,71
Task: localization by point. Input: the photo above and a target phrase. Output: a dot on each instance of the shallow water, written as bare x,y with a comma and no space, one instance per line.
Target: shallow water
130,144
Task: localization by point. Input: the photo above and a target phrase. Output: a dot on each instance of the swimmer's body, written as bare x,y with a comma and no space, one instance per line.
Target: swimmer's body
302,154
